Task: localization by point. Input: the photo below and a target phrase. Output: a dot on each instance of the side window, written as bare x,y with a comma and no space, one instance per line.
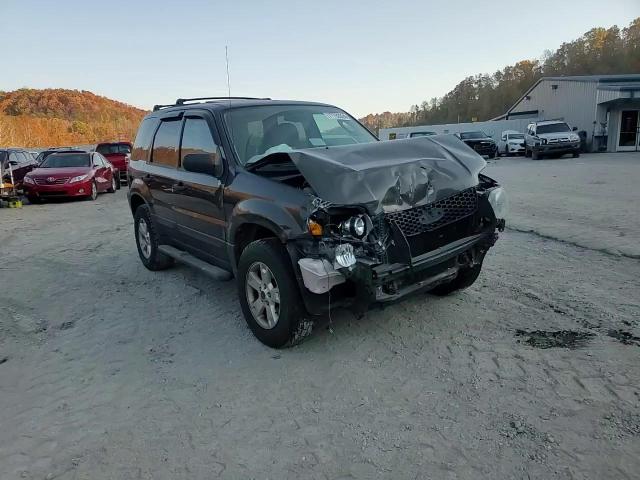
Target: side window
144,137
197,140
13,158
23,157
97,160
166,142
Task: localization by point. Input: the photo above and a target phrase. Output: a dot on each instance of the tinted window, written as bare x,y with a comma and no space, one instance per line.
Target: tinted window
61,160
472,135
165,144
197,139
113,148
142,144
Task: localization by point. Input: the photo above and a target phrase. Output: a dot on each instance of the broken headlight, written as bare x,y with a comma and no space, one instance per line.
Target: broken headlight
498,201
354,226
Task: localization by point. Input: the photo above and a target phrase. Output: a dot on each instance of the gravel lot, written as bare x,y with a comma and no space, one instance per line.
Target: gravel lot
109,371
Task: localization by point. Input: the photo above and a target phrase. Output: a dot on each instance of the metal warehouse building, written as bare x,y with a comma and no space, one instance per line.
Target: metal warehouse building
605,107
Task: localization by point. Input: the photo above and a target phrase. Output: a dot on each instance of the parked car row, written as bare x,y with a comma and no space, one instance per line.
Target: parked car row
65,171
71,174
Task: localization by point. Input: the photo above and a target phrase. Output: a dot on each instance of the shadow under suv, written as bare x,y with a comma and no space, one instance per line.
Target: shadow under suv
306,208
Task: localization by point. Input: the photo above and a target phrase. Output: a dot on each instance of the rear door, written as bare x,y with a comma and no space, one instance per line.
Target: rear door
161,171
197,202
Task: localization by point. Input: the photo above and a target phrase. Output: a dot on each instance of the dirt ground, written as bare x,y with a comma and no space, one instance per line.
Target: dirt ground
109,371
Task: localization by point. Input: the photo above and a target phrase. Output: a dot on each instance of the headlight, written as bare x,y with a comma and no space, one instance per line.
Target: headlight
354,226
498,201
28,179
575,138
79,178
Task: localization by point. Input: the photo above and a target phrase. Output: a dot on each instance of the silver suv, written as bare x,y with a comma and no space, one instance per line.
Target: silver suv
551,137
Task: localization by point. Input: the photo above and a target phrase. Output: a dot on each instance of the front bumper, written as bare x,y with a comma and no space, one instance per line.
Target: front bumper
389,282
565,147
79,189
515,148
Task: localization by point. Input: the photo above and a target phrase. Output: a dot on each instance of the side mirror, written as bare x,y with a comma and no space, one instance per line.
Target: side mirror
200,163
574,129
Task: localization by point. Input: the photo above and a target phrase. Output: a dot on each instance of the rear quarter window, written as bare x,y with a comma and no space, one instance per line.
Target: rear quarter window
144,138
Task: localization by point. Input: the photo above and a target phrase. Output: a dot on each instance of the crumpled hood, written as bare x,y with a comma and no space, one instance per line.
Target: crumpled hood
392,175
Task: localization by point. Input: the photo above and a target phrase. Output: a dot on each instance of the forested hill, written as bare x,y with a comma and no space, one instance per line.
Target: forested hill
55,117
485,96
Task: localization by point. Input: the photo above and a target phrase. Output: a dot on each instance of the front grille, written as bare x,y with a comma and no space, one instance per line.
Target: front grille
430,217
57,181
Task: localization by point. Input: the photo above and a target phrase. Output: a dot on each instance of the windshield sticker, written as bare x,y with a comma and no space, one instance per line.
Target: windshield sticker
337,116
317,142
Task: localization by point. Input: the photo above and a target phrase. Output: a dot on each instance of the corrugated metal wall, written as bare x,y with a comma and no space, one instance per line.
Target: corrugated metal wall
573,101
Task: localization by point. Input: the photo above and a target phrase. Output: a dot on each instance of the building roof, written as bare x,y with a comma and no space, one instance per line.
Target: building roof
607,81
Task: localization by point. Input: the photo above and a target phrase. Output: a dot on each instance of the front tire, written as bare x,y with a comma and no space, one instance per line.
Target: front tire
269,295
535,155
464,279
94,192
113,187
147,241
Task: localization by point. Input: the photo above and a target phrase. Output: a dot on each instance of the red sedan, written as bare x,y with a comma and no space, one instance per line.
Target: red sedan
70,174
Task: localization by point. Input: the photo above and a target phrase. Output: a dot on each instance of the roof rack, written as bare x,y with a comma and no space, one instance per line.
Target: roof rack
183,101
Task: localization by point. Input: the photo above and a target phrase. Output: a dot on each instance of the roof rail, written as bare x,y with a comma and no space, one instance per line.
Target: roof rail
181,101
158,107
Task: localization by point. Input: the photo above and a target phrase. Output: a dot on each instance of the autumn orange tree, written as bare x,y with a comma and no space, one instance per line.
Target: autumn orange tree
57,117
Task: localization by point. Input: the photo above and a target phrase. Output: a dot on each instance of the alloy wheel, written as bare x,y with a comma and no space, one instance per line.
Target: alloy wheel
144,238
94,191
263,295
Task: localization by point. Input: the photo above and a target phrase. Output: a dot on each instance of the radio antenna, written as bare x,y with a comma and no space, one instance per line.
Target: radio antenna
226,57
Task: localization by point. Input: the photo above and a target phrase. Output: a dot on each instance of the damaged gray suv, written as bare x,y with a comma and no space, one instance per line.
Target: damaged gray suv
306,208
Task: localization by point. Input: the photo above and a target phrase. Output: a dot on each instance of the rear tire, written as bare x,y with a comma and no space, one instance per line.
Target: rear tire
147,241
264,269
465,279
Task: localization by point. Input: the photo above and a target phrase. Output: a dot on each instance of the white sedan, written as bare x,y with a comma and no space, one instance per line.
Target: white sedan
511,143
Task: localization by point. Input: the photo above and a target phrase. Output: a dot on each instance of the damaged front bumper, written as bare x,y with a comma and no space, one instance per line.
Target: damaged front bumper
372,282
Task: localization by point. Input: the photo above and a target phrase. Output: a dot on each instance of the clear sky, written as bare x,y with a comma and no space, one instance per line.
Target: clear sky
365,56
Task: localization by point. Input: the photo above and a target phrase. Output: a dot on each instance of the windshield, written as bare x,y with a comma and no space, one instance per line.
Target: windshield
472,135
552,128
261,130
516,136
113,148
62,160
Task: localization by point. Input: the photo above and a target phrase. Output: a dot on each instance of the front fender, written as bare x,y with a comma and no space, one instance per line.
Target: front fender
282,221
